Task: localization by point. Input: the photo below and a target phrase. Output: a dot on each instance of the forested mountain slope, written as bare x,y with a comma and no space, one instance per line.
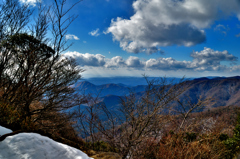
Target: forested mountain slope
224,91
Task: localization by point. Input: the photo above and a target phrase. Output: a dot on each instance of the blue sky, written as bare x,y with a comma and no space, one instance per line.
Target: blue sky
172,38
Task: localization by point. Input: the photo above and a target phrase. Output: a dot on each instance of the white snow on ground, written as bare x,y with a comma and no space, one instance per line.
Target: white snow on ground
35,146
4,131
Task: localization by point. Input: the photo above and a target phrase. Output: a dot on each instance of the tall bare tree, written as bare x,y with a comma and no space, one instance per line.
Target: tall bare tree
32,68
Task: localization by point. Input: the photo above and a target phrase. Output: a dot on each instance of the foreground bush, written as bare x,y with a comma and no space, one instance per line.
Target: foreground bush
221,141
233,144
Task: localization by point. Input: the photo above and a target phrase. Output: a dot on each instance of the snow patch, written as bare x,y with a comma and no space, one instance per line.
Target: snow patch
4,131
35,146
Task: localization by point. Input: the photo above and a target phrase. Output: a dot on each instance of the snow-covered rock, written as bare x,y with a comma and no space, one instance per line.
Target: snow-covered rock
4,131
35,146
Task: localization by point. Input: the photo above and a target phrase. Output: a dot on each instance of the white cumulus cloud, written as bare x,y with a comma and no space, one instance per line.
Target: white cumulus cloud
205,60
114,62
209,59
159,23
86,59
167,64
71,37
134,62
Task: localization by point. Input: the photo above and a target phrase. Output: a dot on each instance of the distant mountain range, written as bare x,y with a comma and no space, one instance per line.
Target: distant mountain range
86,87
224,90
127,81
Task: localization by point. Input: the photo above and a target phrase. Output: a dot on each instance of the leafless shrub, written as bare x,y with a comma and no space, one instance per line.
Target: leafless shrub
138,117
